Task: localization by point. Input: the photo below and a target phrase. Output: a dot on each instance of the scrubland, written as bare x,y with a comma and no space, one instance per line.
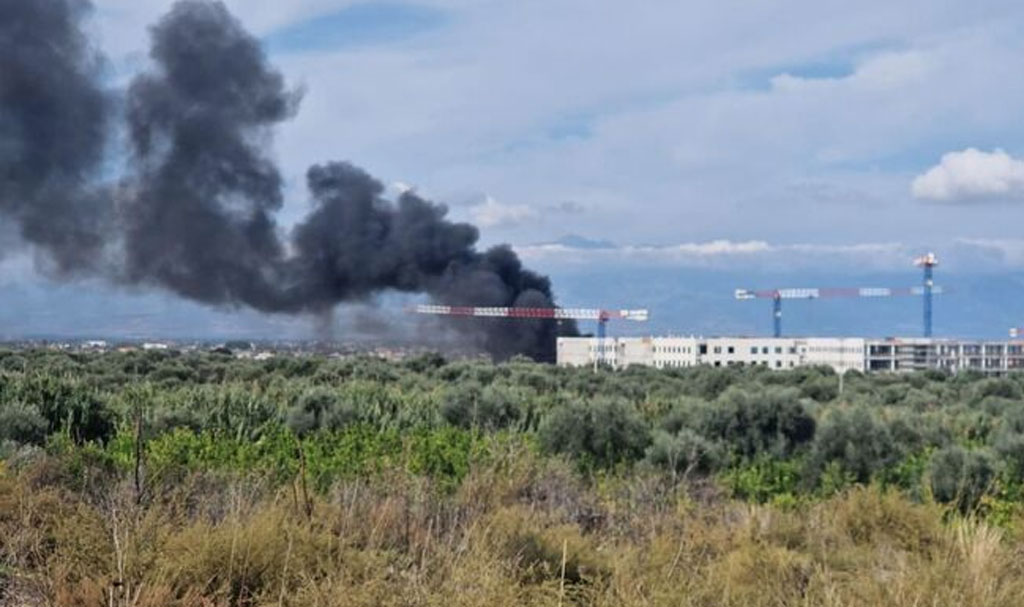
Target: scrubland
173,479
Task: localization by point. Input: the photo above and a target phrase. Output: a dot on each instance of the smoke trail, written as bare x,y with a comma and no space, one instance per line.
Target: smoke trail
197,210
54,119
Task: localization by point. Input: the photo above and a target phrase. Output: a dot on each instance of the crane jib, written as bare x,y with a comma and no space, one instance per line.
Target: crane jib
533,313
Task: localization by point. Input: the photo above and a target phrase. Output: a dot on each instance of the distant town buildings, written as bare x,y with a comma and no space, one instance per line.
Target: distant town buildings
841,353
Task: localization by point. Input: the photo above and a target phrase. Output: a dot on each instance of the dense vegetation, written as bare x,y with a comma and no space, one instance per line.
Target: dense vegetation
163,478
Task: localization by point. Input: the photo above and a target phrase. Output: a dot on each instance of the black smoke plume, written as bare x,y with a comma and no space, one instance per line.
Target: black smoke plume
54,121
196,212
201,218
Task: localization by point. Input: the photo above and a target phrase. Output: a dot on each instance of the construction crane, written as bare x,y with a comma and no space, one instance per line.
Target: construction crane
926,291
600,315
777,295
928,263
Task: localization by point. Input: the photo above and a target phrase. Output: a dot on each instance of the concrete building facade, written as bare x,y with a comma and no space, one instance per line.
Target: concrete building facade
841,353
915,354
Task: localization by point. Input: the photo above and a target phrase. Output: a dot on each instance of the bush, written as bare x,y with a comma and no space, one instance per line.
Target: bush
470,405
772,421
319,408
686,412
764,479
21,423
685,451
68,406
859,442
603,432
1010,447
961,477
822,389
997,386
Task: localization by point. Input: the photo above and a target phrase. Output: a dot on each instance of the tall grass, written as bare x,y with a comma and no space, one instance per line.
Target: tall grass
518,530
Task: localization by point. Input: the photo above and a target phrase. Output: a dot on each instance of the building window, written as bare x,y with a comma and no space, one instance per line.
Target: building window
778,349
732,350
718,349
764,350
753,349
778,364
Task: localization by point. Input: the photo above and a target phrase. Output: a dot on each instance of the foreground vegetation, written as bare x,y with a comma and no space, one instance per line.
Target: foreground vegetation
162,478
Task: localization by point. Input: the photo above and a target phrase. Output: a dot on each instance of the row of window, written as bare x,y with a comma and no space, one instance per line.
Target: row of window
836,350
672,363
759,349
673,349
950,350
732,363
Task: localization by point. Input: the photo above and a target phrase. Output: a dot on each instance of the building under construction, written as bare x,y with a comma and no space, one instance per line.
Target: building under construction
840,353
777,352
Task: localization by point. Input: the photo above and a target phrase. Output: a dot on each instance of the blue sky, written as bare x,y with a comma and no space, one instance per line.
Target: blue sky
817,135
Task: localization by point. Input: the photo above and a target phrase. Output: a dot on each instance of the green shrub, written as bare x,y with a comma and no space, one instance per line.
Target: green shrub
319,408
961,477
686,412
21,423
857,440
1010,447
470,405
770,421
997,386
603,432
821,389
685,451
764,479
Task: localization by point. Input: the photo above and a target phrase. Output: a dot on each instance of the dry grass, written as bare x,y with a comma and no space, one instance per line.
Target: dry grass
523,532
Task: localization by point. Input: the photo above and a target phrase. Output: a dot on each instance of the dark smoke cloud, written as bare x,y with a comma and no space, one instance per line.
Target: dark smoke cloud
196,213
201,221
356,243
54,120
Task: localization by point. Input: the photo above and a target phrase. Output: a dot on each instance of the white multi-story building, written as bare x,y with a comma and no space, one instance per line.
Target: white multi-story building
914,354
841,353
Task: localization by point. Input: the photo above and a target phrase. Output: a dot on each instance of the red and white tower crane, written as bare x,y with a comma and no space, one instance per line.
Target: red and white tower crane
602,316
777,295
926,290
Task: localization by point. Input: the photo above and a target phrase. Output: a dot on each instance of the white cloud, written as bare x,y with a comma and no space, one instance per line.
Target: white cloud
885,71
492,214
670,149
972,175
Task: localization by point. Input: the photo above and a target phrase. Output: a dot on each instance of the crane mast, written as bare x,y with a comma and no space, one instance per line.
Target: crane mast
928,263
